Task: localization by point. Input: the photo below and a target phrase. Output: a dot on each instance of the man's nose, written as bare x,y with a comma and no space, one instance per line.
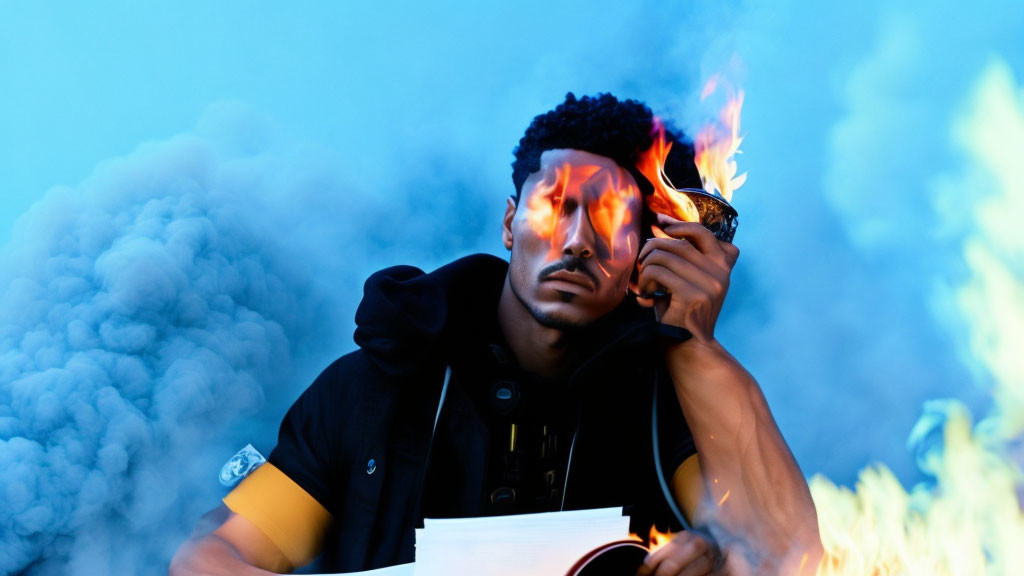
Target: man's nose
579,235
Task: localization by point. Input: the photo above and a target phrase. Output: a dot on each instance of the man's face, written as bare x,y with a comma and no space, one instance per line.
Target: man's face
574,237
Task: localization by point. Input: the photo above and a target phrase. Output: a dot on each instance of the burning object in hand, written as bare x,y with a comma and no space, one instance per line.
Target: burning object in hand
715,147
715,213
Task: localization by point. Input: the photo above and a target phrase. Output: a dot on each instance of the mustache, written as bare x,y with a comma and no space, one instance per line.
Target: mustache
570,264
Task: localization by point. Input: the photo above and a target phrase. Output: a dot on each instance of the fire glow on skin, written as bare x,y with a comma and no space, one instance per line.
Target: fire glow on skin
607,205
574,238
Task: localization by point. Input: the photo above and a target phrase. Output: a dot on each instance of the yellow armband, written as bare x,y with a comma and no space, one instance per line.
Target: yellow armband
293,520
688,486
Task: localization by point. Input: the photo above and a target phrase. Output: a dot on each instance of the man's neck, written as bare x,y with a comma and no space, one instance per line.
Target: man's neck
540,349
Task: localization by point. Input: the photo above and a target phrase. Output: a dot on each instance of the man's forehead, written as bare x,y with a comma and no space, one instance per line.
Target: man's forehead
599,172
562,156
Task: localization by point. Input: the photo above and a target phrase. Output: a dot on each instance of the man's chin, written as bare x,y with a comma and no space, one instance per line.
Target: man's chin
561,316
559,309
558,323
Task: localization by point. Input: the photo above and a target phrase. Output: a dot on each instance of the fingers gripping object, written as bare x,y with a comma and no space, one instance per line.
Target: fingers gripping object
718,216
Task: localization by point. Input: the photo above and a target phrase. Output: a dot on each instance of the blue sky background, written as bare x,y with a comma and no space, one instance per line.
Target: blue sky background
279,153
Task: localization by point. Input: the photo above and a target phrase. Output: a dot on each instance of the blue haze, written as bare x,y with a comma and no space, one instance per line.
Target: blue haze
192,193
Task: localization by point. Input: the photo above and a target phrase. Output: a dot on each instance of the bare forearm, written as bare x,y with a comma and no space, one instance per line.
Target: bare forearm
758,496
211,556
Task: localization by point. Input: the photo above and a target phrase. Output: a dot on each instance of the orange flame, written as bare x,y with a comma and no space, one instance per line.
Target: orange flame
545,205
655,539
658,233
724,498
716,144
609,214
665,199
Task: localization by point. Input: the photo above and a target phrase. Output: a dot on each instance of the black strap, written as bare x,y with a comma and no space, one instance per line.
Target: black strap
671,332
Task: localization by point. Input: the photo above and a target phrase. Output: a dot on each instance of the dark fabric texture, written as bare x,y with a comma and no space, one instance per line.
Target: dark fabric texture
358,438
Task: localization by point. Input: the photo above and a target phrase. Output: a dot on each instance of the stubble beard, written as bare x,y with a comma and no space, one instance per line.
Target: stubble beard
545,319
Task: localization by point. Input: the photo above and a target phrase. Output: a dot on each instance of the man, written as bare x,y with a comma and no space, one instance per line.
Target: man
484,388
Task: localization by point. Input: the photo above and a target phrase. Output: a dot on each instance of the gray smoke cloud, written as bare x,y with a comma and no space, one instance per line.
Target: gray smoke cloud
149,313
142,320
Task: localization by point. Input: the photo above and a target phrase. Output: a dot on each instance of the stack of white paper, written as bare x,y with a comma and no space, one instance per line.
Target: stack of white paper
399,570
536,544
547,543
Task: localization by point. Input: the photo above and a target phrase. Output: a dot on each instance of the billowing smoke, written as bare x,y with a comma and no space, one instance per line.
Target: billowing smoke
143,320
148,314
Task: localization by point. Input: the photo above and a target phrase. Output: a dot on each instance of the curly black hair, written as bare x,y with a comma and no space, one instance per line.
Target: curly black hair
604,125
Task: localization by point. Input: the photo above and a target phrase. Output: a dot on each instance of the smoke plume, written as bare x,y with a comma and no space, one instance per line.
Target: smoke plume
147,315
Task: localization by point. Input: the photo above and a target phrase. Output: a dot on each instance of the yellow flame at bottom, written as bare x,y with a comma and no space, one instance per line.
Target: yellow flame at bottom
970,522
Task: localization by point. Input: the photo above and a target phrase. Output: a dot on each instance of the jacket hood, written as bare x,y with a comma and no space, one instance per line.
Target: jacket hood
406,316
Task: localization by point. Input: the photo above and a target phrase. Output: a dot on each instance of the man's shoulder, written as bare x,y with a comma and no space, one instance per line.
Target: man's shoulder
356,382
355,370
406,315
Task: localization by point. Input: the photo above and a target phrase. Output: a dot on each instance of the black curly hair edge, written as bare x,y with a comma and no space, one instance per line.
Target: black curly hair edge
603,125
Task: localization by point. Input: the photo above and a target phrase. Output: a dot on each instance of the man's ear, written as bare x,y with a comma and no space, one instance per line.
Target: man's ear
506,223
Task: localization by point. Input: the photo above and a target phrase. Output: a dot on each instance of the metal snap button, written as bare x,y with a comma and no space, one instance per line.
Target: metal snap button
503,495
504,396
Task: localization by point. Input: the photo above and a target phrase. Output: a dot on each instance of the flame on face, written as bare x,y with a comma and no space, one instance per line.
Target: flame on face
609,214
665,199
545,206
717,144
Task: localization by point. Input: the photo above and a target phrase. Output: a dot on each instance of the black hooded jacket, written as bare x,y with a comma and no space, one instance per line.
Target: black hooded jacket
359,439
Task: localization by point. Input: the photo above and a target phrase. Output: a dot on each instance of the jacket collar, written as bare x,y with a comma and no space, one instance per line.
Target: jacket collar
626,332
408,317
